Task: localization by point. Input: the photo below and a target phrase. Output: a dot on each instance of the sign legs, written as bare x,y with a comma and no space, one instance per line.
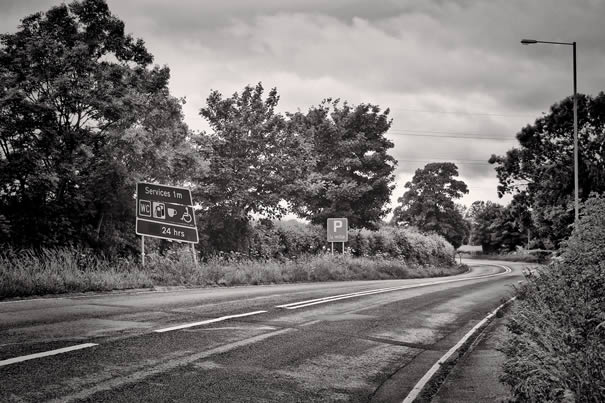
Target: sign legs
194,254
143,250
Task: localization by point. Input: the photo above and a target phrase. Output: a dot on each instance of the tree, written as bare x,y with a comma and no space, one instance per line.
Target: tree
349,172
254,160
82,118
429,202
498,228
542,166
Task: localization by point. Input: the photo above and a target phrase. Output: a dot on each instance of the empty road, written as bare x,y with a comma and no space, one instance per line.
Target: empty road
339,341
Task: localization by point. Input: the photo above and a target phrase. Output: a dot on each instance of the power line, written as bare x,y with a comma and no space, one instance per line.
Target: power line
444,134
464,113
469,162
451,136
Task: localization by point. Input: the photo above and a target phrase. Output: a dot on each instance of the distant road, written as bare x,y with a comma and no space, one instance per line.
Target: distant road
338,341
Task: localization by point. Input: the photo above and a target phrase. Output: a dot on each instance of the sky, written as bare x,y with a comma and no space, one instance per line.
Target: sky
446,69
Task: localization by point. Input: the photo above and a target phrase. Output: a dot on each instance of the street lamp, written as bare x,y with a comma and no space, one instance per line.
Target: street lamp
575,121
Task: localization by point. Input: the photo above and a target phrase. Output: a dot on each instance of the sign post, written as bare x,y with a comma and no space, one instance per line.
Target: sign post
165,212
338,231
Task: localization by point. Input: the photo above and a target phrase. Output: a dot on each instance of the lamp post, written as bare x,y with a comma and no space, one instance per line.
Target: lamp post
575,121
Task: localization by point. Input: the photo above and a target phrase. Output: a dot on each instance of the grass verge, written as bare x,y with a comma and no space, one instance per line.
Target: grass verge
56,271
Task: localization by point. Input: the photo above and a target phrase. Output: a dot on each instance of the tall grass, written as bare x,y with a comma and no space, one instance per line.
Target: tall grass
557,348
53,271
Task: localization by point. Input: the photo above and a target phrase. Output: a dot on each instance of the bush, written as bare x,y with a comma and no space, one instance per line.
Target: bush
557,348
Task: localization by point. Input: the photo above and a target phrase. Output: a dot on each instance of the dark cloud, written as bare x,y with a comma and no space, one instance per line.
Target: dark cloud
440,65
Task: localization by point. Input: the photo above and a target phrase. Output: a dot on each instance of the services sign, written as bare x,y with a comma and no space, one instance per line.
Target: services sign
166,212
338,230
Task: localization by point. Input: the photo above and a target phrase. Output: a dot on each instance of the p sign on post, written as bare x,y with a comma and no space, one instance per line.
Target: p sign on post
338,231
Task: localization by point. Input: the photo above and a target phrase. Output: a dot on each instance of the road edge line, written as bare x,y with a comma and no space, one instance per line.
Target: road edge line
417,389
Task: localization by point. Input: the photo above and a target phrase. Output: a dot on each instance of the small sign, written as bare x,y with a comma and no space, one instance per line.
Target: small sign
165,212
338,230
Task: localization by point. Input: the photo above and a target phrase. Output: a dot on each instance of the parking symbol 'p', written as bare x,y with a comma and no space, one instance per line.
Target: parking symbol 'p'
337,225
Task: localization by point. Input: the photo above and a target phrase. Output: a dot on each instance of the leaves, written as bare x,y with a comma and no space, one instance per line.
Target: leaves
348,172
542,165
429,202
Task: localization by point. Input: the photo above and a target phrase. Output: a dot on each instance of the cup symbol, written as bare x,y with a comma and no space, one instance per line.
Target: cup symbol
171,212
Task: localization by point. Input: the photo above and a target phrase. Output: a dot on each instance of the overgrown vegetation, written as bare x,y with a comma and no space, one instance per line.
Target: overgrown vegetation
282,253
557,348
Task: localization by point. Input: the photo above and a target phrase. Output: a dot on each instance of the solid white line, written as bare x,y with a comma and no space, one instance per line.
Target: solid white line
205,322
422,382
29,300
46,353
303,304
334,296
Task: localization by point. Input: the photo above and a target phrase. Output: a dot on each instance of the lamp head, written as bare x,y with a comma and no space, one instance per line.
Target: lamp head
528,41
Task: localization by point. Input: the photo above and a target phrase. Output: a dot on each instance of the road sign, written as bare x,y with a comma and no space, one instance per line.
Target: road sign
338,230
165,212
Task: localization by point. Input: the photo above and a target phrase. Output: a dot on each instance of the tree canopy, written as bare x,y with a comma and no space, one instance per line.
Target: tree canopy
429,205
349,170
82,117
541,167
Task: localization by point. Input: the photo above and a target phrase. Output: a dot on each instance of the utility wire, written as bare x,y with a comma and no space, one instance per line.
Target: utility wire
464,113
453,137
444,134
471,162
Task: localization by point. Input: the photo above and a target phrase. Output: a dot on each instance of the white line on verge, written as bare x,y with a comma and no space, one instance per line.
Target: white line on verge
423,381
205,322
302,304
46,353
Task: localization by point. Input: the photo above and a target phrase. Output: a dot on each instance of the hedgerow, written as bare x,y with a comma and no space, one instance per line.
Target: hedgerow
557,348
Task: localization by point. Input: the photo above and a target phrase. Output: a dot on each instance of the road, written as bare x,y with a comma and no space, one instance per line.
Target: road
339,341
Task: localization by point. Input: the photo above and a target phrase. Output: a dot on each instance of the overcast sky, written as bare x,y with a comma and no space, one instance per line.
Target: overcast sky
443,67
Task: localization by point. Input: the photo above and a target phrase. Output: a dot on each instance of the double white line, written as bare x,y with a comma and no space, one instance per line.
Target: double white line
310,302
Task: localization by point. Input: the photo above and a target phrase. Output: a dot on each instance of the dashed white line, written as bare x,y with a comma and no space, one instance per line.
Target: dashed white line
46,354
205,322
310,302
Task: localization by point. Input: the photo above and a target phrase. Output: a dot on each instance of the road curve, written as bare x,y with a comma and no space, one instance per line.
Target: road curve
337,341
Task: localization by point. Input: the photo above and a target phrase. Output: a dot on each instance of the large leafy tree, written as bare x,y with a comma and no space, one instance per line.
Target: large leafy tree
254,160
83,116
429,202
541,167
349,172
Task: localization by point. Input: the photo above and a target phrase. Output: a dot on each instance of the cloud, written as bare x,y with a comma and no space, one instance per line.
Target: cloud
442,67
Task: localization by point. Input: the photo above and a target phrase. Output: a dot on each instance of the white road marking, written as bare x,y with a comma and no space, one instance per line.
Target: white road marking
205,322
310,302
423,381
85,390
46,354
18,301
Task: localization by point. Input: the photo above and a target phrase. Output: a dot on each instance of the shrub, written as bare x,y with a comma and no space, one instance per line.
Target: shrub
557,348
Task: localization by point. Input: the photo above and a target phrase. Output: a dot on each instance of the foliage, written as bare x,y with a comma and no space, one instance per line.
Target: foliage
541,167
54,271
429,202
495,227
348,170
254,162
82,118
557,348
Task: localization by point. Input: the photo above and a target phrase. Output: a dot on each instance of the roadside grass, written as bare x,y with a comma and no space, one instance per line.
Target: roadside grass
63,270
556,351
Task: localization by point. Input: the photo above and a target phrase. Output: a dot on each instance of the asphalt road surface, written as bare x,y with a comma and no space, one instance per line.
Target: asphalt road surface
339,341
